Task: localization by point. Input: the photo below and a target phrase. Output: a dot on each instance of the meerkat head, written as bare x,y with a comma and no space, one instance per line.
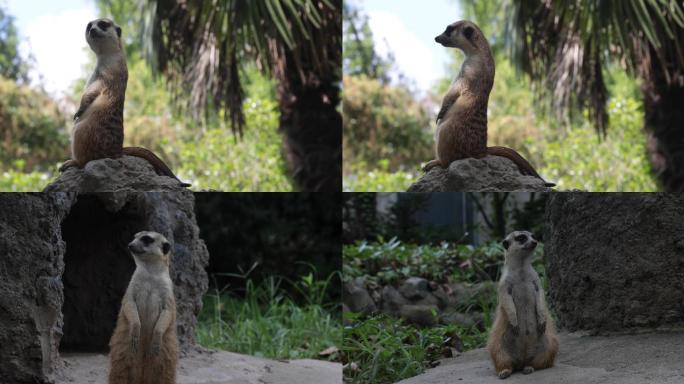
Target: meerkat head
103,36
519,244
150,246
464,35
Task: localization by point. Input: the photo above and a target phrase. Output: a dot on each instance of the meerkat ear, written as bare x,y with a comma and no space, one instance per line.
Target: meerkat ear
118,31
166,247
506,244
468,32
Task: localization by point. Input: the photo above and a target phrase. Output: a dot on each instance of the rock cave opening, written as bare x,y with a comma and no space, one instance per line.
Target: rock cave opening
97,268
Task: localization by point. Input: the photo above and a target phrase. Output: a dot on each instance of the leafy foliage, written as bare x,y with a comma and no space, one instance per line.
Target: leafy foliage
565,45
32,129
383,125
267,322
393,261
360,57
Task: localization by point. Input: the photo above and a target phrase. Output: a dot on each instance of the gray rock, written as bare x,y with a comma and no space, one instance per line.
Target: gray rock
64,268
615,261
489,174
415,288
422,315
126,174
392,300
356,297
632,359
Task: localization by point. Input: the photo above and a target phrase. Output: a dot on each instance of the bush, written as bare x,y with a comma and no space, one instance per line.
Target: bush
32,129
383,123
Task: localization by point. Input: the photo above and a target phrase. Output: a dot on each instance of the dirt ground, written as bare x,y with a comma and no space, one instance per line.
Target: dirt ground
656,358
213,367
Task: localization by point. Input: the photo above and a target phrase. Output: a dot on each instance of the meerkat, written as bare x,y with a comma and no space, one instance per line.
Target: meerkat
144,346
462,120
523,336
98,123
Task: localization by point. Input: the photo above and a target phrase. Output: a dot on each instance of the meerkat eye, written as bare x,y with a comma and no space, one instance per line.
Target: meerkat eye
506,244
166,247
468,32
90,25
147,240
449,29
103,25
520,238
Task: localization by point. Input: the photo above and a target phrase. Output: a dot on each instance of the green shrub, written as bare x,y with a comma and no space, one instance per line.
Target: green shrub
32,129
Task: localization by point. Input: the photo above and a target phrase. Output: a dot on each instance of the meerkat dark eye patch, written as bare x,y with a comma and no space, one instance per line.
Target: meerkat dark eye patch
506,244
448,30
118,31
166,247
521,238
147,240
90,25
103,25
468,32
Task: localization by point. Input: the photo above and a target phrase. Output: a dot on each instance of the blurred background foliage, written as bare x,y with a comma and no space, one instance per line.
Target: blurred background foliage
35,126
388,131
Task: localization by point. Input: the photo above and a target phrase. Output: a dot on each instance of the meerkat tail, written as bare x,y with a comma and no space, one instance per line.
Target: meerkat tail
159,166
524,166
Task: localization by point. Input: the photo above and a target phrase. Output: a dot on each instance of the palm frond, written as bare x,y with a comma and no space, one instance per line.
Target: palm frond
201,46
566,46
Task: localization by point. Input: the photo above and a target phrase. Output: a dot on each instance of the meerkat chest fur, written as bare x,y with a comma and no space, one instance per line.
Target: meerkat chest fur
522,283
151,289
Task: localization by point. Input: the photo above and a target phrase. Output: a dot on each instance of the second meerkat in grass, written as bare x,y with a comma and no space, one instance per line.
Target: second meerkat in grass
144,345
462,120
98,124
523,336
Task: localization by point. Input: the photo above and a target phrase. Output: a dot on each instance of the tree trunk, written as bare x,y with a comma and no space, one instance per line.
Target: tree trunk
309,119
664,110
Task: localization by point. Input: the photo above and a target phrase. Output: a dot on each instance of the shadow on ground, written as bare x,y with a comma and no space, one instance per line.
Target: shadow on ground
630,359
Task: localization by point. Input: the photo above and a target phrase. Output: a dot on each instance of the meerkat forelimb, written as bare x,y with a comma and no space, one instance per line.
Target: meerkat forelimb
462,120
523,336
144,345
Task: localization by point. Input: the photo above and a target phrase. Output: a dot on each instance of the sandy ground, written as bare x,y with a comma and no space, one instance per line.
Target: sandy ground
216,367
633,359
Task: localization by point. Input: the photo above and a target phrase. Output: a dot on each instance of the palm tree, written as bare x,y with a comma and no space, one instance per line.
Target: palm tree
567,45
203,45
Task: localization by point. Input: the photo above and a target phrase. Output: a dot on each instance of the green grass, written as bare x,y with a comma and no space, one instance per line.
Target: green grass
267,322
382,349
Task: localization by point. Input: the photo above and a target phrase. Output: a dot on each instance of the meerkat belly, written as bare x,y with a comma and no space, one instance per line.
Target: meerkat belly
468,127
96,134
149,302
524,341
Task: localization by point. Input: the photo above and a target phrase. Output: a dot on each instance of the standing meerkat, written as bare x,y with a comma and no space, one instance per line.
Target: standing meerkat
462,121
98,130
523,336
144,346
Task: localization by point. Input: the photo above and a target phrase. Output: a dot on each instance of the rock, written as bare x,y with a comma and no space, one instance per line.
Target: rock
126,174
422,315
465,320
632,359
415,288
356,297
461,295
489,174
65,267
613,260
392,300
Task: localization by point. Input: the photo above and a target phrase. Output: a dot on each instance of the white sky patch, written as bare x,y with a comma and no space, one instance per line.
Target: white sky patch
413,57
57,41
